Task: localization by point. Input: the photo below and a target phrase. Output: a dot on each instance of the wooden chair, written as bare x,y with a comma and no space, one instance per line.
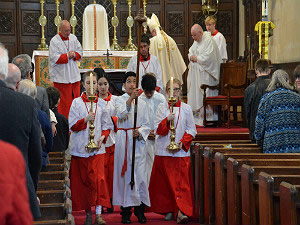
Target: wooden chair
233,81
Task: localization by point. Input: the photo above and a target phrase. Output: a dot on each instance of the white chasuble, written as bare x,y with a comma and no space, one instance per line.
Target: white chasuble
169,56
205,71
152,104
151,65
68,72
122,193
95,19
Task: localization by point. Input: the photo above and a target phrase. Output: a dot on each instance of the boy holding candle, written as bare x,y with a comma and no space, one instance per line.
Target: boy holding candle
88,183
170,182
122,193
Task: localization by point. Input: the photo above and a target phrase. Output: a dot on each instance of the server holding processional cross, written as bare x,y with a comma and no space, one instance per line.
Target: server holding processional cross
130,168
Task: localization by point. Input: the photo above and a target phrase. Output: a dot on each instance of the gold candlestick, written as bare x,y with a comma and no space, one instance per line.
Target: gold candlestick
115,22
173,147
43,22
145,23
73,19
57,19
91,146
130,46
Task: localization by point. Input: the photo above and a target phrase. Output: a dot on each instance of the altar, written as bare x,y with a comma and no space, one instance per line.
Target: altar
115,64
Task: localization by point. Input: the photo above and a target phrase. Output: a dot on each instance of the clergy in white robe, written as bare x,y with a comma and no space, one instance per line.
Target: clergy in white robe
152,99
95,35
148,64
122,193
170,183
210,23
204,68
64,52
166,50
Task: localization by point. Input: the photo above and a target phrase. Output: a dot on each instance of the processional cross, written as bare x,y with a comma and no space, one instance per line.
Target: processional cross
107,58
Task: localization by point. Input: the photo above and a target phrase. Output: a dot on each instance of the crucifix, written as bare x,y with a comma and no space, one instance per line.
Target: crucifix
107,58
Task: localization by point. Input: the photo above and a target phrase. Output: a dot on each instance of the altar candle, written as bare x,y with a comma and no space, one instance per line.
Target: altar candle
91,84
171,87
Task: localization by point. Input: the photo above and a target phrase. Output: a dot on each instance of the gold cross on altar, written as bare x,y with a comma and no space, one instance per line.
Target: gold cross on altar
107,57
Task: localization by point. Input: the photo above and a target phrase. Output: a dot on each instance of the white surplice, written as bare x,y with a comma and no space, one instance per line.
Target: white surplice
152,103
78,140
183,123
64,73
221,43
122,193
205,71
150,66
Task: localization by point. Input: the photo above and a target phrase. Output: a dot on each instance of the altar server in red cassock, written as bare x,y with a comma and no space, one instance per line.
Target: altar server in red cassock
109,100
64,52
170,182
87,176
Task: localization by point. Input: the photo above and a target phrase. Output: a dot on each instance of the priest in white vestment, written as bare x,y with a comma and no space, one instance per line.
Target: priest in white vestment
204,68
210,23
166,50
148,64
64,52
95,35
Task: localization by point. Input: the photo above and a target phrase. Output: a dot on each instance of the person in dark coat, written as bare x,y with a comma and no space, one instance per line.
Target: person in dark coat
61,139
254,92
19,126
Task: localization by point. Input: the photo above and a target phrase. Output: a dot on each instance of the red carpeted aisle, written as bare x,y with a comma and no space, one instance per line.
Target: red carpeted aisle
115,218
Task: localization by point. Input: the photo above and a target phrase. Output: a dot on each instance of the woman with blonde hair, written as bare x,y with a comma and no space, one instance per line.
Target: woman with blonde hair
277,128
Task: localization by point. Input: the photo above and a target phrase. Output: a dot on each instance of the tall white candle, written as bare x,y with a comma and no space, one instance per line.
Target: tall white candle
171,87
91,84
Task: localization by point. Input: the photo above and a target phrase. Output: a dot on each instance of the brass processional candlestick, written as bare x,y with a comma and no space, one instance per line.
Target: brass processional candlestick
91,146
115,22
130,22
43,22
73,19
57,19
173,147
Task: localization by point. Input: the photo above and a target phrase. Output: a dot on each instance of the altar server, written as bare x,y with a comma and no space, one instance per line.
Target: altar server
122,193
171,183
88,183
64,52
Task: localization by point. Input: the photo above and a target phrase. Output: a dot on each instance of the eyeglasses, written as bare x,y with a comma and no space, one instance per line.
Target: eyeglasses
175,89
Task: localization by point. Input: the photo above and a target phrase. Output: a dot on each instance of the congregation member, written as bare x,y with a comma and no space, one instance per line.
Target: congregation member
61,137
148,64
166,50
210,24
152,99
297,76
110,101
122,193
170,183
254,92
87,176
14,201
64,53
277,127
27,87
204,68
23,62
23,133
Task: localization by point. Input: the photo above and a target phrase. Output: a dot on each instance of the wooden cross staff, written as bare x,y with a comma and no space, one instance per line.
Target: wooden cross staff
140,19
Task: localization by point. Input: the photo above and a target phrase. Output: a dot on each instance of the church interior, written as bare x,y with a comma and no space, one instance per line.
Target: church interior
233,180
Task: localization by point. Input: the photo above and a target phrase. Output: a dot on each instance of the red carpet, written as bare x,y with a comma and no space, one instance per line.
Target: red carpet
115,218
221,130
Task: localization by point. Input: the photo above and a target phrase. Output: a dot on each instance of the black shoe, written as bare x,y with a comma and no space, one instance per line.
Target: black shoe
126,221
141,218
139,213
110,210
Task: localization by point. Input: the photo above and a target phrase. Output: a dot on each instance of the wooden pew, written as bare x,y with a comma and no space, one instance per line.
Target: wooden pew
233,170
289,204
269,207
209,179
249,185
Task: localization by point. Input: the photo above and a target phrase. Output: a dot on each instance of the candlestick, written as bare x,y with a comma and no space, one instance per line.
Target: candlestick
91,84
171,87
